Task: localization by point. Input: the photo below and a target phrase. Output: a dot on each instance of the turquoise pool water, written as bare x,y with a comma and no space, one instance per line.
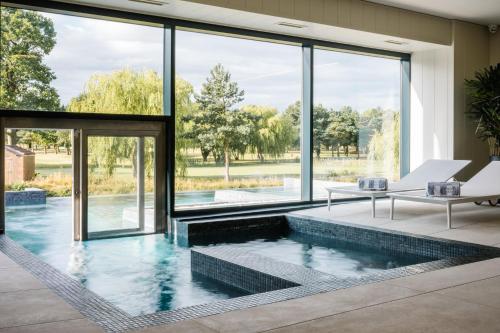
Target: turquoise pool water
151,273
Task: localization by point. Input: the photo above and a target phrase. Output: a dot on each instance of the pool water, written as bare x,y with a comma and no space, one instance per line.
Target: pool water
328,256
151,273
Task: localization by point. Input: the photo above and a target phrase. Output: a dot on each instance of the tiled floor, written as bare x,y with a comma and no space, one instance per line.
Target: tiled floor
458,299
26,305
471,223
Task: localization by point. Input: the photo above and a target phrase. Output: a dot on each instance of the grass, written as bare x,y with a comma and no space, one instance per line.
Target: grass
210,184
54,174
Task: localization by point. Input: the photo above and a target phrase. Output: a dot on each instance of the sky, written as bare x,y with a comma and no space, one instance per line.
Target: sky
269,73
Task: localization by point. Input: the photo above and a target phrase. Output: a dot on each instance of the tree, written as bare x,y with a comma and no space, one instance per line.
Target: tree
370,122
293,115
46,138
135,92
218,127
64,140
43,138
184,107
273,132
343,129
26,37
321,121
121,92
384,144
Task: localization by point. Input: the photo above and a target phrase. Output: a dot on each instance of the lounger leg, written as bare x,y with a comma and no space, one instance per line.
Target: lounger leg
329,200
448,214
373,207
391,211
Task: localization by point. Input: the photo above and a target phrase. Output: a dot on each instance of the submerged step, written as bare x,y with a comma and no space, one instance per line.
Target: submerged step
252,272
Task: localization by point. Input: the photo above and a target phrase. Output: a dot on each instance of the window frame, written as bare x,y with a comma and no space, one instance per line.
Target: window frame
170,25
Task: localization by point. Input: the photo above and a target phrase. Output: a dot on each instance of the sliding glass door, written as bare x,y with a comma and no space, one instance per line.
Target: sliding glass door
118,182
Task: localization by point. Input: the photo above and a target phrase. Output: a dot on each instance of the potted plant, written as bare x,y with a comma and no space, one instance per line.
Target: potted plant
484,94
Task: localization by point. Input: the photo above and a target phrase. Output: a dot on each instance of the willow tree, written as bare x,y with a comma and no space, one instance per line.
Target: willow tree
184,107
273,134
127,92
384,145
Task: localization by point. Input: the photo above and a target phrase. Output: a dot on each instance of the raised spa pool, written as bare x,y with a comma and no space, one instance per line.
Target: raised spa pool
147,274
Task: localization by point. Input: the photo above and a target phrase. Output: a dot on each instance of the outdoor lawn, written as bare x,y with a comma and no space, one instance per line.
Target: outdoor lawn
54,173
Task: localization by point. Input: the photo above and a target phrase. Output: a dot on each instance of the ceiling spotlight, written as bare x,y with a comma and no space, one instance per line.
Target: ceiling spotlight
397,42
291,25
151,2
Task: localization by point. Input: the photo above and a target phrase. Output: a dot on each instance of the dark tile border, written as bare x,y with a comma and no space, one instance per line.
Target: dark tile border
256,273
387,240
242,275
112,319
211,230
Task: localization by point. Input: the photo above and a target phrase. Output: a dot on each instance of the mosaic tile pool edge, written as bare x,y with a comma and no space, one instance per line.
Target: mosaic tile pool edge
112,319
388,240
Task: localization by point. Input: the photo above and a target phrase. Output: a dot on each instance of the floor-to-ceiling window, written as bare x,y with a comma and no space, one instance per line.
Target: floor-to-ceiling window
74,64
55,62
356,118
237,120
238,109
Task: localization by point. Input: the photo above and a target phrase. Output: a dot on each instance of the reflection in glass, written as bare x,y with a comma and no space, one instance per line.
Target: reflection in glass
356,119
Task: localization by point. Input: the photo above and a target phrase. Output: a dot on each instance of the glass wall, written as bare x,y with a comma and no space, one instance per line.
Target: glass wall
54,62
237,120
237,100
356,119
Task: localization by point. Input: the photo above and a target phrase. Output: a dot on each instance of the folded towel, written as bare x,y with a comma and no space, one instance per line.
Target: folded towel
443,189
372,184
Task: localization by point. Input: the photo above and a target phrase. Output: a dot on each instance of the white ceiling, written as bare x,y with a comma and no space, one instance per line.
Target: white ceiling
235,18
477,11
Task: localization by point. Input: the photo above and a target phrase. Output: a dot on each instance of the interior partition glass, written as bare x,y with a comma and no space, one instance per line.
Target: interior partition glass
356,119
56,62
120,185
237,120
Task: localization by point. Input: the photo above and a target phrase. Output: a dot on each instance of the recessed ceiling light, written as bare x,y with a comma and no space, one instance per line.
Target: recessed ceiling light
151,2
291,25
397,42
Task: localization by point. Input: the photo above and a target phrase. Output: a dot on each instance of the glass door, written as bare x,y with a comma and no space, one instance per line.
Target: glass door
118,182
107,176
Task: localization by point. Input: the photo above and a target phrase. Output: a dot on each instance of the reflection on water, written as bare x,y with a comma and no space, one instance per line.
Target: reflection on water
331,256
141,275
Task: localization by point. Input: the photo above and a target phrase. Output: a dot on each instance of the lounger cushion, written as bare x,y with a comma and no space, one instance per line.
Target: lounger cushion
443,189
372,184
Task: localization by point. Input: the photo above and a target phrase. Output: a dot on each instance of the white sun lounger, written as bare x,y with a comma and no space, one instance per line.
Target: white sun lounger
430,170
485,185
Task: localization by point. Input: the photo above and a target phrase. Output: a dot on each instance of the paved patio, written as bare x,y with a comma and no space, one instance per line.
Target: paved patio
458,299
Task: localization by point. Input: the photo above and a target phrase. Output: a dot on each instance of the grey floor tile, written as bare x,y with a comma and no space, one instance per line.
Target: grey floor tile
445,278
33,307
6,262
67,326
286,313
16,279
485,292
424,313
188,326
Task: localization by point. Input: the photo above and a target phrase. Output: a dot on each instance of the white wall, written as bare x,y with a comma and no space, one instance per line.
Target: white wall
431,120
